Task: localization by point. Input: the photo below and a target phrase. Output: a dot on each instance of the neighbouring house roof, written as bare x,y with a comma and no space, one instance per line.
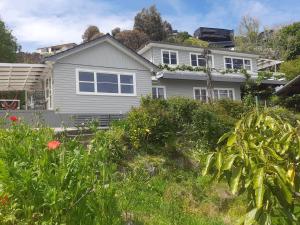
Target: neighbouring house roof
188,75
20,76
60,46
161,44
105,38
291,88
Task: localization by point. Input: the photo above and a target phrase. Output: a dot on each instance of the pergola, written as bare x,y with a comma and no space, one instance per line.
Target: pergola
263,64
22,77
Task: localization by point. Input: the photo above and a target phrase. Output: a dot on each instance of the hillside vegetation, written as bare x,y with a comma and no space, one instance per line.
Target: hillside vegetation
146,169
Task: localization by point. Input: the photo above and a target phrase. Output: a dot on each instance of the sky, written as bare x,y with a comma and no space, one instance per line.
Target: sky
39,23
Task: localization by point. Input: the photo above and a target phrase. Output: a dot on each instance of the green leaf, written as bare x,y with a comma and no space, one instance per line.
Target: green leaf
209,161
287,193
258,184
252,217
231,140
223,137
229,162
235,179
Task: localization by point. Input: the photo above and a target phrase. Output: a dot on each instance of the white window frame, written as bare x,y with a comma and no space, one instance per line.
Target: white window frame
228,89
200,88
204,88
49,87
163,87
95,82
168,50
196,53
232,57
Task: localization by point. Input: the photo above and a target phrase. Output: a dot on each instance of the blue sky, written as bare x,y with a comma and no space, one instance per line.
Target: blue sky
38,23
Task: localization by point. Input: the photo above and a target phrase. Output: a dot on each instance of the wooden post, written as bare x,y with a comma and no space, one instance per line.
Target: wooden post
26,100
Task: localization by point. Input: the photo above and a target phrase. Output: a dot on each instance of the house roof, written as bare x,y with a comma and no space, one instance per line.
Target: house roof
193,48
111,40
291,88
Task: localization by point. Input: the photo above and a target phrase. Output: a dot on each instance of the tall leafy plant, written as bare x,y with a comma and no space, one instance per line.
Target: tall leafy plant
261,157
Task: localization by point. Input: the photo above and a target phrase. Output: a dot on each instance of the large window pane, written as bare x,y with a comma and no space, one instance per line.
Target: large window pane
161,93
107,88
86,87
166,59
201,61
237,63
86,76
173,58
194,60
223,94
247,64
127,89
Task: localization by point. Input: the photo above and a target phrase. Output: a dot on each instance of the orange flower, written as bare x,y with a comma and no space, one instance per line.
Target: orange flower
13,118
4,200
52,145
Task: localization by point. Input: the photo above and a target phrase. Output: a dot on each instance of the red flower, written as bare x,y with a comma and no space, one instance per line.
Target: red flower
52,145
13,118
4,200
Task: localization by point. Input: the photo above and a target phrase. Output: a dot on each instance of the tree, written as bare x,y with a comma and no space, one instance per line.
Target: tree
288,41
291,68
8,44
150,22
133,39
248,36
115,31
195,42
179,38
261,157
91,33
26,57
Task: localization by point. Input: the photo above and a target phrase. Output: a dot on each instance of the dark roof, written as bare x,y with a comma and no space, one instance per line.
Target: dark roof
82,45
193,46
291,88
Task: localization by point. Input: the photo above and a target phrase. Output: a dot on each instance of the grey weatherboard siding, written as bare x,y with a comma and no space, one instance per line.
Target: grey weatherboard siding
184,88
102,57
154,55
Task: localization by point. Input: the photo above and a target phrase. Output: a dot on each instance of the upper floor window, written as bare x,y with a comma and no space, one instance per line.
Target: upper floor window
198,60
169,57
158,92
237,63
95,82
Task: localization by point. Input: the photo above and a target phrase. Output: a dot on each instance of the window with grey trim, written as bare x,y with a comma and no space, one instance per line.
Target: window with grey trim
169,57
106,83
198,60
237,63
158,93
86,82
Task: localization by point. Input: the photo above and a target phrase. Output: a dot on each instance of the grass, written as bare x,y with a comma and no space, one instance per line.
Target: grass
154,190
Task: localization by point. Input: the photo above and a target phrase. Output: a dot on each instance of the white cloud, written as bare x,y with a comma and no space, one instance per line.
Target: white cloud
51,22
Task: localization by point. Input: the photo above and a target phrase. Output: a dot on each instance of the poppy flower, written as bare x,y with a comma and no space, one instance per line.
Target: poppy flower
13,118
52,145
4,200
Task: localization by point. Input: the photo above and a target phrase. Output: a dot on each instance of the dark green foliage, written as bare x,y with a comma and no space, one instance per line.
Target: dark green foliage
290,102
288,41
174,125
291,68
150,22
8,44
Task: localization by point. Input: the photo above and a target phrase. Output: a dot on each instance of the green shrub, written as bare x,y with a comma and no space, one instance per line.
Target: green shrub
59,184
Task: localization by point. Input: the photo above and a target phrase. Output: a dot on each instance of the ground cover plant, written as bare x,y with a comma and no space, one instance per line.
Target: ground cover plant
146,169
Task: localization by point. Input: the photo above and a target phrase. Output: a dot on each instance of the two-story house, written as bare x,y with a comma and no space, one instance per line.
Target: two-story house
226,68
103,78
